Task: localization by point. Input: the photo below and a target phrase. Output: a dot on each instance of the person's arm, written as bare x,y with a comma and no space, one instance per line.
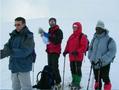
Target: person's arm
6,51
26,49
110,54
66,51
83,45
90,48
57,38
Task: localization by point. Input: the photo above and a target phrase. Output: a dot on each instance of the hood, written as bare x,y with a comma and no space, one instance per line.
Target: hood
79,30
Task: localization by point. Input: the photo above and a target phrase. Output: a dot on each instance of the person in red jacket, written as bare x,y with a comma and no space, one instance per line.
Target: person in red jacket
76,48
54,48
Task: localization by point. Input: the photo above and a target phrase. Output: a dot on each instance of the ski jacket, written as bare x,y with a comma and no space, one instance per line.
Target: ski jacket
20,48
77,44
55,40
101,49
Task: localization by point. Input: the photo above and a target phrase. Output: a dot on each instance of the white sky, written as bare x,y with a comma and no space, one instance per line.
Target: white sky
88,9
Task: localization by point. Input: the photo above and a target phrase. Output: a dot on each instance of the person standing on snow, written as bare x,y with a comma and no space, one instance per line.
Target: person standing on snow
20,48
55,36
76,48
101,53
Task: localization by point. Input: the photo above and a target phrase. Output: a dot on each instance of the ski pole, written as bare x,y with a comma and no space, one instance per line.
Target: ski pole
89,77
33,73
63,72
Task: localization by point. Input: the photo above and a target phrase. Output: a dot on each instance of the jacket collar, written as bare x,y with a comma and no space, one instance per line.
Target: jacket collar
102,35
23,32
56,27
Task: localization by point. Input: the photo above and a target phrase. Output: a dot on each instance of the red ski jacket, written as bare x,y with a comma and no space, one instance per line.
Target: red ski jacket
55,38
77,43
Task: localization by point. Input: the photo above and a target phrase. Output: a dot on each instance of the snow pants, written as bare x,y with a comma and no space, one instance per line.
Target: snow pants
21,81
102,74
76,72
53,62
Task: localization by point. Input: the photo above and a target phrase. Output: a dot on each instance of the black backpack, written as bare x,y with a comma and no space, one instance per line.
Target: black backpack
47,80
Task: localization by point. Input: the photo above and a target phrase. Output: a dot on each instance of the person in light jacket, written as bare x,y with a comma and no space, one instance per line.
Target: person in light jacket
101,54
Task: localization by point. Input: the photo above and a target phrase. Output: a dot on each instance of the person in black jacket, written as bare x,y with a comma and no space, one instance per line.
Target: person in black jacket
54,48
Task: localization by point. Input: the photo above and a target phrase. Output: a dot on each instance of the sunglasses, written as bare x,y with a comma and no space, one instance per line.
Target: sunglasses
75,26
17,25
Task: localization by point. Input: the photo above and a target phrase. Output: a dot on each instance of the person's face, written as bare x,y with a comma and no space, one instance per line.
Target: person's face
52,23
19,25
99,30
75,27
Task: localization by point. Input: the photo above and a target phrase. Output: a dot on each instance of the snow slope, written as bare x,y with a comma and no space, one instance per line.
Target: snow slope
66,26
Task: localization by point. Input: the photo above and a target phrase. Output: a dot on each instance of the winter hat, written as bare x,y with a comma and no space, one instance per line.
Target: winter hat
100,24
52,19
78,24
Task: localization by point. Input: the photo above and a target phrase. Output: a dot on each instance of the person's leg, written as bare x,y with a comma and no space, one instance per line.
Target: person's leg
78,72
49,59
105,77
25,80
72,68
97,76
15,81
54,63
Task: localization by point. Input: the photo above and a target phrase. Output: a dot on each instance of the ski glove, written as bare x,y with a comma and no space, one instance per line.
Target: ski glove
40,31
75,53
99,62
65,53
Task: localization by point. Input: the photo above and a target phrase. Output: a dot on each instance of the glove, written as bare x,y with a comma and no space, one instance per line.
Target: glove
40,31
96,63
75,53
93,63
65,53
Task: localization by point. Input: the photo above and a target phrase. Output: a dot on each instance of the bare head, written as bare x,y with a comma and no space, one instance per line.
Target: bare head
52,22
20,23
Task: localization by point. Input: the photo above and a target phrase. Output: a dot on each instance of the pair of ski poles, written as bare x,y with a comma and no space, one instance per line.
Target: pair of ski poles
100,65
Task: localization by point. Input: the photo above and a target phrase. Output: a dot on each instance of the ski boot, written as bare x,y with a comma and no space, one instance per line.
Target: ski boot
57,87
107,86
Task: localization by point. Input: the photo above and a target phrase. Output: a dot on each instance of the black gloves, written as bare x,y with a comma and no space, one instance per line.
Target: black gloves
75,53
65,53
93,63
99,63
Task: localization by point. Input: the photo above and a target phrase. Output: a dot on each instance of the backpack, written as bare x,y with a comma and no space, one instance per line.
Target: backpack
47,80
87,40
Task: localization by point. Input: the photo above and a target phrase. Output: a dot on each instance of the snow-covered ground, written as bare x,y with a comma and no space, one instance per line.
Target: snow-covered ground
66,26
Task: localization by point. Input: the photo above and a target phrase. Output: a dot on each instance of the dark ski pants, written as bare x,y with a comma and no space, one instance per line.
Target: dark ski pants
102,74
76,68
54,64
76,71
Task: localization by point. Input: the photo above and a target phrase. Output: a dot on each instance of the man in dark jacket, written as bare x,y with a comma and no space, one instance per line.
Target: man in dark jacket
20,48
54,48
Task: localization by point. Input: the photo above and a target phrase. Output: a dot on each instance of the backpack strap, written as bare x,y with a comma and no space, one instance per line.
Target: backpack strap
92,43
109,41
80,37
